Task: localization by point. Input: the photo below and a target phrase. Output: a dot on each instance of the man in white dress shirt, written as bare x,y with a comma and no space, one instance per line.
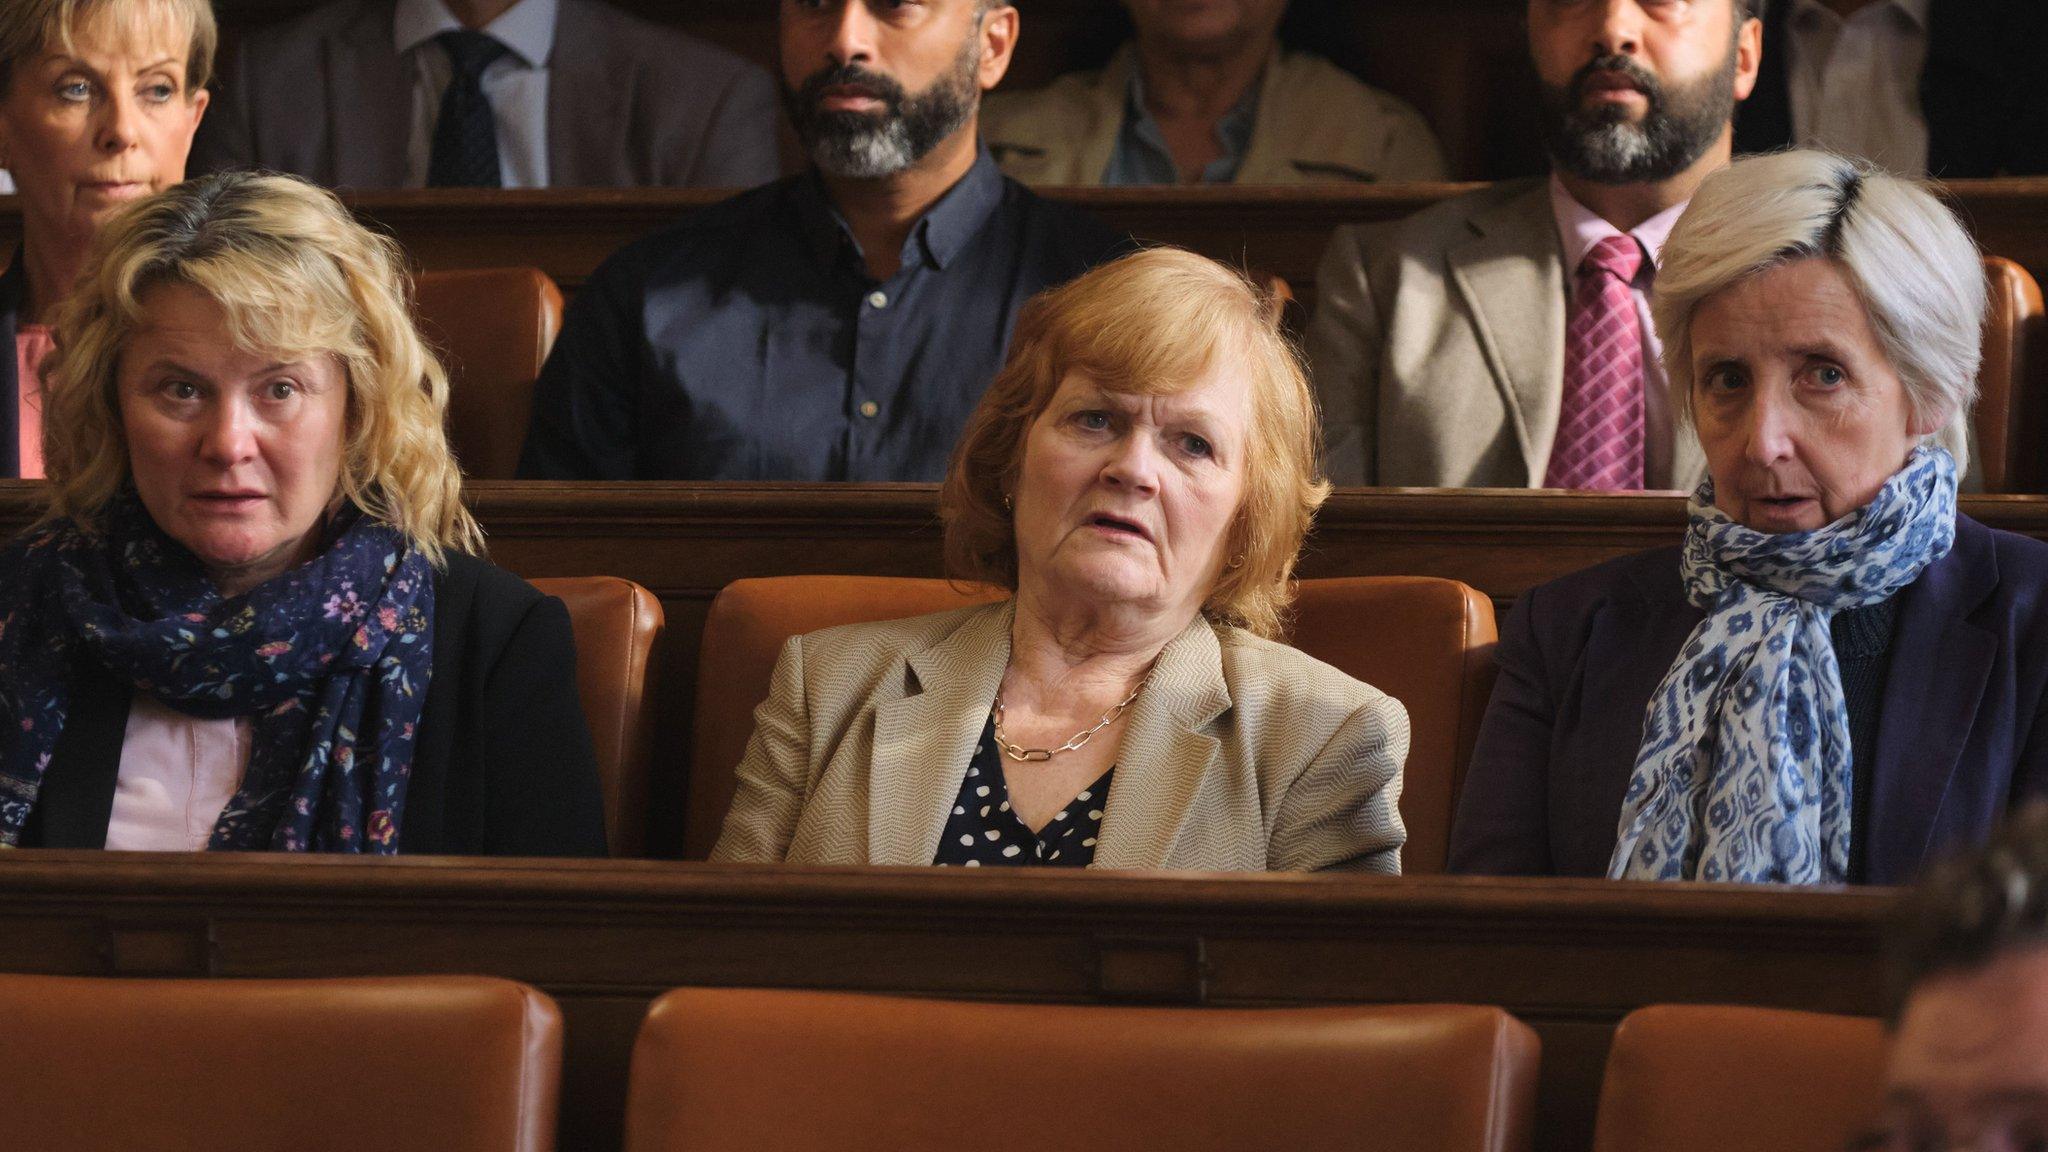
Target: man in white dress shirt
559,93
1950,89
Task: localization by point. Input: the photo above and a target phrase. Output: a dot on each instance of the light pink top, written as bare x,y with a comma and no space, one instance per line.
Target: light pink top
177,773
1578,229
31,343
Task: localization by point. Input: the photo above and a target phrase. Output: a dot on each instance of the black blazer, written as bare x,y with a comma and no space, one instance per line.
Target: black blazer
1963,731
13,295
503,764
1987,112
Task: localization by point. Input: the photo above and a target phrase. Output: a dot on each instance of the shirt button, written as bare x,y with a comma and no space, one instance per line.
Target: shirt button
870,409
878,299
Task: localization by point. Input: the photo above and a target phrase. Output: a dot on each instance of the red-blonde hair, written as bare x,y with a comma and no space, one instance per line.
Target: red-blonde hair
1153,322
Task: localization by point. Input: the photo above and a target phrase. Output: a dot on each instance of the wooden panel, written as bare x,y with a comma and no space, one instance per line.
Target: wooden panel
1276,230
1570,957
686,541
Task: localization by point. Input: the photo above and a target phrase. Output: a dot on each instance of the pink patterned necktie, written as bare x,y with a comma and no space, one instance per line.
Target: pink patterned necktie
1599,441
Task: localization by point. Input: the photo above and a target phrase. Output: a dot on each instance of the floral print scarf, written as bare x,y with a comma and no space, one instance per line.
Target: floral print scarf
330,660
1744,770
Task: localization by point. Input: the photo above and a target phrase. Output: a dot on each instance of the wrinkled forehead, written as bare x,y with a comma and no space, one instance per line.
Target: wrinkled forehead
1218,391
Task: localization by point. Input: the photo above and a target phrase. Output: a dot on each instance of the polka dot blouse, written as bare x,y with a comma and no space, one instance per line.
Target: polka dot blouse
983,831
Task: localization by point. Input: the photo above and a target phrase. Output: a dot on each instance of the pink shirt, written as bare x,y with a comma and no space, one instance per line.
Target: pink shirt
31,343
1578,229
177,773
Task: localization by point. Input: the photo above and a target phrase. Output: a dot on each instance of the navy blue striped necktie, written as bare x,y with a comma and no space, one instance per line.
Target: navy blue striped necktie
465,151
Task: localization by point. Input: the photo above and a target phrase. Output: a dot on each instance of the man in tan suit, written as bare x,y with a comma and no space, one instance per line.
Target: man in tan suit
1205,94
1439,341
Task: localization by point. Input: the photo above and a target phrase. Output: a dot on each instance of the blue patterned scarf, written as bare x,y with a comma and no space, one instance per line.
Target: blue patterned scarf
1744,772
330,659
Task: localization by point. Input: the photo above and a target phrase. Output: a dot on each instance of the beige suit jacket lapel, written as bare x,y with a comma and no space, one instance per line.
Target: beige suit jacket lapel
1512,280
923,741
1111,93
1167,752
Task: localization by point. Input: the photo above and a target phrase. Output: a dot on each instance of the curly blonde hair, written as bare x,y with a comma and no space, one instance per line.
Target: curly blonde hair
297,278
29,28
1152,322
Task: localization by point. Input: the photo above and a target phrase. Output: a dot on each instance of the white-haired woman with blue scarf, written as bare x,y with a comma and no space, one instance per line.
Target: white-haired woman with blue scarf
1836,677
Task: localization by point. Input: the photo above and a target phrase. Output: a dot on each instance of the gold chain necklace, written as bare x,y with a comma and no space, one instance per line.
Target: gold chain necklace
1039,755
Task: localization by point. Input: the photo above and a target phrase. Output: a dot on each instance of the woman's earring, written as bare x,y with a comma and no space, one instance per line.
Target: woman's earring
1237,561
1007,505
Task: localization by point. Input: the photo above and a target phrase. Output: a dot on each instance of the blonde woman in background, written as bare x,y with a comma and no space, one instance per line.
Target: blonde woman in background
98,103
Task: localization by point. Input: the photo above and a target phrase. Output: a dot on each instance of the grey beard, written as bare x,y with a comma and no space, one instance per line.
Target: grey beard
866,154
871,148
1623,153
1682,123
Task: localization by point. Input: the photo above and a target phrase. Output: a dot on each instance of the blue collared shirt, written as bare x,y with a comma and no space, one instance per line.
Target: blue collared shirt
748,342
516,84
1143,157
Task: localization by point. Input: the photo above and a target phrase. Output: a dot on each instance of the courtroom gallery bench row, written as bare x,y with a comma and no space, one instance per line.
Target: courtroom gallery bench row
684,542
1570,958
1282,231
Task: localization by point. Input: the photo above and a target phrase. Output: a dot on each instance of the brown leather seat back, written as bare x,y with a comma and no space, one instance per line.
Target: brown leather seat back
1428,643
2012,397
494,328
1685,1078
837,1072
616,623
425,1064
749,622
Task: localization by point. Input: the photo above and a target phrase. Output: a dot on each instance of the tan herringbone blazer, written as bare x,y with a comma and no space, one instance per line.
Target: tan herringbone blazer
1438,346
1241,755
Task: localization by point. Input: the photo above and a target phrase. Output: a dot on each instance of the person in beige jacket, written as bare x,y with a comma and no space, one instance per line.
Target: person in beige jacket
1440,343
1204,94
1140,476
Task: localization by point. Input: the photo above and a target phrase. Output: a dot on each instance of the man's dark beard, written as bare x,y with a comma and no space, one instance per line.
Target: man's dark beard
1601,145
865,145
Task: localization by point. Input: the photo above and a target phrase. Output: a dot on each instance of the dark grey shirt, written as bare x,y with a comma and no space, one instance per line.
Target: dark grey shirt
747,341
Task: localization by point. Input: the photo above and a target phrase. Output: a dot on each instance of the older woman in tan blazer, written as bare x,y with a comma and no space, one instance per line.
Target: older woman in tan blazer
1140,476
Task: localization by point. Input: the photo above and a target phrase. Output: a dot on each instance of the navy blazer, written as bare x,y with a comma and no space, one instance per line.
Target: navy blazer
1987,113
502,765
13,296
1962,735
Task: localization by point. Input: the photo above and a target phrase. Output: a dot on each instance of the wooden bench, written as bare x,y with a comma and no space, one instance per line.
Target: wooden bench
1282,231
1570,958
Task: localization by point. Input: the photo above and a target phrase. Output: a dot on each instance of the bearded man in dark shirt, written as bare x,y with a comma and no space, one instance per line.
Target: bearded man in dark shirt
836,325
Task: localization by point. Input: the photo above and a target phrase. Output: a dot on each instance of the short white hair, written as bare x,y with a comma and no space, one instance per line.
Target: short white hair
1918,273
